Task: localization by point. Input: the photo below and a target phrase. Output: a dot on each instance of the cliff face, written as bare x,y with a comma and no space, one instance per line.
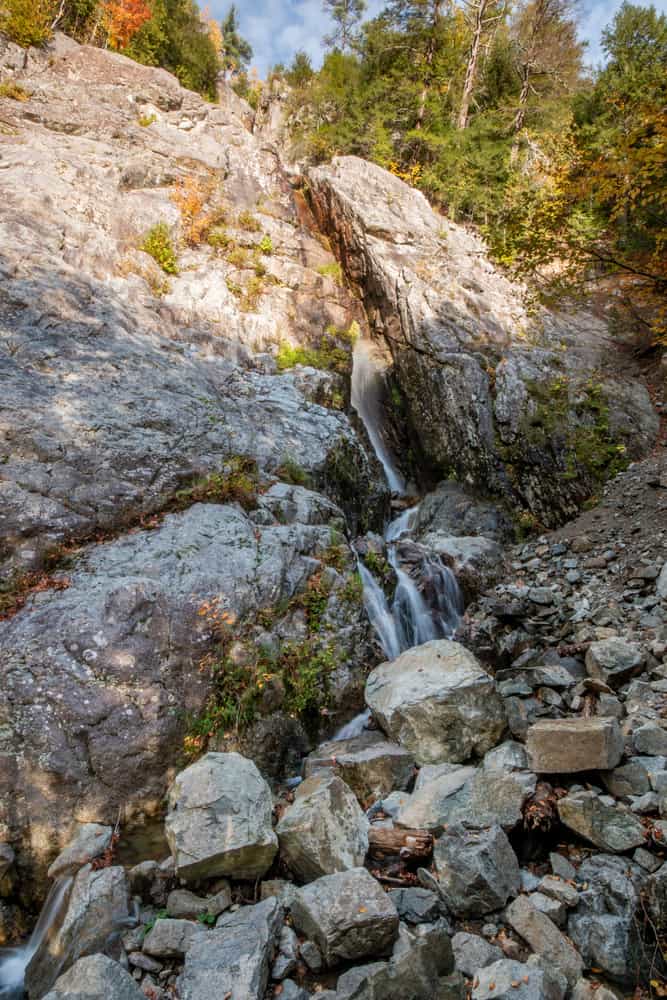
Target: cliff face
130,396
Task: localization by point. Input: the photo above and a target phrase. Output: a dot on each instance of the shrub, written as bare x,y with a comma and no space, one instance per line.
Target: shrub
27,22
238,482
291,472
14,90
237,257
334,271
266,245
146,120
157,243
247,221
219,239
192,196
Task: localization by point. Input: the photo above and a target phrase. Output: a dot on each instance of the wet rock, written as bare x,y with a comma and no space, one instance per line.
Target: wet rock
95,977
96,909
608,827
477,870
566,746
91,840
544,938
347,915
324,831
472,952
170,938
219,819
478,563
510,980
614,660
452,510
183,904
234,959
416,906
371,765
605,926
438,702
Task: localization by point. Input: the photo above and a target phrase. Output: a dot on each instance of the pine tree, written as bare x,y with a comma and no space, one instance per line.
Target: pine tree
236,51
347,16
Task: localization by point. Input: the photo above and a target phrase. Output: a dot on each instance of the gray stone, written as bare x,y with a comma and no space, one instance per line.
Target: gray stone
604,926
288,953
96,908
661,583
95,977
183,904
488,797
550,907
560,890
626,780
324,831
138,960
614,660
561,867
477,870
608,827
169,938
428,808
347,915
219,819
656,896
291,991
438,702
646,860
544,938
509,756
311,955
650,739
586,990
566,746
234,959
371,765
430,772
91,840
472,952
415,905
510,980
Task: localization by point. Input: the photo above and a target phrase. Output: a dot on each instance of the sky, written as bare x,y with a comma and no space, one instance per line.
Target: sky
277,29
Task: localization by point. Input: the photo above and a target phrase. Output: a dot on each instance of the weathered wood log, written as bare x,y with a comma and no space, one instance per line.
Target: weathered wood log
406,844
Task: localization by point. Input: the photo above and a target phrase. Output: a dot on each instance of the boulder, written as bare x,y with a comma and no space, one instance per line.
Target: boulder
234,959
324,831
438,702
473,952
219,819
95,977
566,746
651,739
510,980
452,510
90,841
371,765
609,827
614,660
183,904
347,915
477,870
96,909
169,938
285,961
416,906
487,797
429,806
545,939
477,563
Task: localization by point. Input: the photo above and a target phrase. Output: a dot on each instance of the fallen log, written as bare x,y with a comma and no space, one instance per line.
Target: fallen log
408,845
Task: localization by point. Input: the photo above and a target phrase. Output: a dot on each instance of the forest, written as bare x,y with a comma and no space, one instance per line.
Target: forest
487,106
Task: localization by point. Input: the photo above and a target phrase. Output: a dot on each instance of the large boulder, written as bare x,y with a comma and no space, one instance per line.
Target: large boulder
91,840
324,831
510,980
98,906
219,819
614,660
438,702
95,977
545,939
371,765
609,827
477,870
512,403
565,746
347,915
234,960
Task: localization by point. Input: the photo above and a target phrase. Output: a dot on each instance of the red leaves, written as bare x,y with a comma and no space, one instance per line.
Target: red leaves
123,18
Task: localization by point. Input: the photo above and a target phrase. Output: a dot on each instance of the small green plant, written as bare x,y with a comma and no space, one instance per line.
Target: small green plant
237,257
157,243
333,270
14,91
238,482
353,591
291,472
219,239
160,915
266,245
247,221
208,919
252,293
234,287
146,120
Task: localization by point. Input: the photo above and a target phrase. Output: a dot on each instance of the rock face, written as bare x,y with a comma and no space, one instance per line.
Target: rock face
90,842
219,819
524,418
438,702
347,915
97,906
95,978
121,387
325,830
565,746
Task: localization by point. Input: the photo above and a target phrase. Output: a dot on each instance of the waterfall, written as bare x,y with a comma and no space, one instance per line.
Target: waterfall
14,961
367,392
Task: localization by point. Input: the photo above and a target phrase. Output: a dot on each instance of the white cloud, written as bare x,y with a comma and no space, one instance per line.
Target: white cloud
277,29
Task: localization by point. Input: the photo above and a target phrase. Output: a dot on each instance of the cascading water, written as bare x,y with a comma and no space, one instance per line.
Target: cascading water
15,961
367,392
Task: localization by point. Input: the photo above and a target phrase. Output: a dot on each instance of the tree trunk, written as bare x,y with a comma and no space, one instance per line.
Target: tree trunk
471,71
408,844
428,59
520,115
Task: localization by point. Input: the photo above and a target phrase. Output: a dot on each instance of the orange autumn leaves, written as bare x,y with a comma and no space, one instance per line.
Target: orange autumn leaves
123,18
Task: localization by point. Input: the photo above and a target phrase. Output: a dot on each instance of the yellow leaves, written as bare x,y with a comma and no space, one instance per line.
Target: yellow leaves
191,196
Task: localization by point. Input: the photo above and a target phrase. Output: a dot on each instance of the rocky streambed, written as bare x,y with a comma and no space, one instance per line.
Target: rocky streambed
286,711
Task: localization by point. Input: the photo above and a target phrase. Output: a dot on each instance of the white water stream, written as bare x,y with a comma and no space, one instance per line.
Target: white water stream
14,961
414,615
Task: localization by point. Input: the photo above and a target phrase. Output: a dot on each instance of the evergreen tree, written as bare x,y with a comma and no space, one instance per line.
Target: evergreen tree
347,16
236,51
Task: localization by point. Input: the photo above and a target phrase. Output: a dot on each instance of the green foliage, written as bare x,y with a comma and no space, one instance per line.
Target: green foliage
301,71
236,51
266,245
247,221
333,270
145,120
14,91
219,239
208,919
27,22
238,482
291,472
157,242
353,591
